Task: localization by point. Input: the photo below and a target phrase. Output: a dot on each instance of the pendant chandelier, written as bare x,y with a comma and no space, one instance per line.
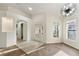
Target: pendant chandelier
68,9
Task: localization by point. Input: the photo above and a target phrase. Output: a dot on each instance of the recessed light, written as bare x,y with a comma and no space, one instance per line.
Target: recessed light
30,8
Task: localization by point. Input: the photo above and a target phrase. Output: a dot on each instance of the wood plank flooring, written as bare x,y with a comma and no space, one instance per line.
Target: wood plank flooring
11,51
52,49
48,50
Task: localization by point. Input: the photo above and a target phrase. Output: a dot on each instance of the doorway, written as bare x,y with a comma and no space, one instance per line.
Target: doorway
20,32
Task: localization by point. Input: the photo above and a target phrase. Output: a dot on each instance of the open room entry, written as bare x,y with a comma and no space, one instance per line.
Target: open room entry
21,31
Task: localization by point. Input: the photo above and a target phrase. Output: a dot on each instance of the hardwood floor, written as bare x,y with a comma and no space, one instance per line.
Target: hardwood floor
11,51
52,49
48,50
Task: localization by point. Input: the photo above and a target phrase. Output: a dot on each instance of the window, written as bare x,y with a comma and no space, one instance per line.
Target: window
56,31
72,30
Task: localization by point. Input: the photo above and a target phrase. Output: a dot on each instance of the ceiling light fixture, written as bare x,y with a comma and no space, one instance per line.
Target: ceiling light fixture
29,8
68,9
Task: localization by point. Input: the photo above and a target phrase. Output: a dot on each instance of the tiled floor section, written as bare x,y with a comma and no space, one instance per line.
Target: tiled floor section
48,50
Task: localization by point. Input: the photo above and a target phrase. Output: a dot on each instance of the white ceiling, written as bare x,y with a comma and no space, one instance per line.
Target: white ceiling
37,7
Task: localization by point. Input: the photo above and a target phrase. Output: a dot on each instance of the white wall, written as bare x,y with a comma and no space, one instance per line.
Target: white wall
73,43
18,30
50,23
2,34
44,19
17,15
12,39
47,20
25,31
28,29
39,21
9,38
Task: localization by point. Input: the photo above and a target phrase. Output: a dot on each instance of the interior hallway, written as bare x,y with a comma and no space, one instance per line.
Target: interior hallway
57,49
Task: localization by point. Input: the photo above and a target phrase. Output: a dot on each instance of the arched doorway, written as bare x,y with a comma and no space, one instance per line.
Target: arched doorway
21,31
